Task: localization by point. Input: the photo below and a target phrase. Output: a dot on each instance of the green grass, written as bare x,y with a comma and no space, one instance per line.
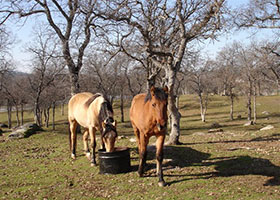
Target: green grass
239,163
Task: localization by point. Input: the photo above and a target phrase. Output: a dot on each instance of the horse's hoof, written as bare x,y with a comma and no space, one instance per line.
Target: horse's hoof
161,184
88,155
93,164
73,156
141,174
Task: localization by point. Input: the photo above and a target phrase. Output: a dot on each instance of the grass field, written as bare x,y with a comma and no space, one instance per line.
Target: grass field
241,162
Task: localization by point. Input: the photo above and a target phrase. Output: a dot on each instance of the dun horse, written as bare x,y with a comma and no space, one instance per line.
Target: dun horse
93,112
148,116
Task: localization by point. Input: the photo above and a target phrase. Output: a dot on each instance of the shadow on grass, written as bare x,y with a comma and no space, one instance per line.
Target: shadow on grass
174,156
244,165
236,166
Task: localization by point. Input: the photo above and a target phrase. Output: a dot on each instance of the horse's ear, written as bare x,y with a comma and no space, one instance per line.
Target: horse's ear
165,89
114,123
153,90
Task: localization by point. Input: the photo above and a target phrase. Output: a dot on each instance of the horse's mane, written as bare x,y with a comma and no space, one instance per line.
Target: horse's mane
160,94
106,111
91,99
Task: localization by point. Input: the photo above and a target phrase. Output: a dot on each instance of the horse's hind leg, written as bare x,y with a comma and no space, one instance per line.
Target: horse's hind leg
85,140
73,137
92,132
159,157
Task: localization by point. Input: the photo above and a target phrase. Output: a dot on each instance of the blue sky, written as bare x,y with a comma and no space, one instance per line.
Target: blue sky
24,36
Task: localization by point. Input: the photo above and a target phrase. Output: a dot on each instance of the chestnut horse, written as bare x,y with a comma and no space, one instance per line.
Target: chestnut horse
148,116
93,112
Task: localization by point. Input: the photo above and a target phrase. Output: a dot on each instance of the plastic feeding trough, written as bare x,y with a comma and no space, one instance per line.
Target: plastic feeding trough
114,162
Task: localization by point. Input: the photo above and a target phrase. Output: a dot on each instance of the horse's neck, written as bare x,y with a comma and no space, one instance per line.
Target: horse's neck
147,110
104,112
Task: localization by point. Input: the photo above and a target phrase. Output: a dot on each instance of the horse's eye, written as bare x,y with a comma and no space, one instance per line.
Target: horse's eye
154,105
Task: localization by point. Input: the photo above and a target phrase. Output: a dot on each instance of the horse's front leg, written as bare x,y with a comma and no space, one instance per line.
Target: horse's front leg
102,143
159,157
142,153
85,140
93,145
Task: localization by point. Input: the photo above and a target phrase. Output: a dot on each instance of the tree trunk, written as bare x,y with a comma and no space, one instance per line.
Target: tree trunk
231,106
47,116
53,116
255,106
22,112
278,88
17,116
177,101
202,113
121,107
37,114
173,110
74,81
62,109
9,112
151,82
249,105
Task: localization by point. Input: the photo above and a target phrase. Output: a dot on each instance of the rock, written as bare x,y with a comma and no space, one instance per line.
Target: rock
18,134
25,131
265,113
215,125
3,125
215,130
268,127
198,133
32,126
132,139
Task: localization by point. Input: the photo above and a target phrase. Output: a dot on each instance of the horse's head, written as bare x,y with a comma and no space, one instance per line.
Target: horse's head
109,134
158,103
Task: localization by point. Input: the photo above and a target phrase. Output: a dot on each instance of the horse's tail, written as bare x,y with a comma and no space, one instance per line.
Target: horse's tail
70,141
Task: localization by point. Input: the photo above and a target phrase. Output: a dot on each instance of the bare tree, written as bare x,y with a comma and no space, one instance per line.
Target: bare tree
269,56
250,71
200,82
70,20
262,15
46,67
164,30
259,14
228,72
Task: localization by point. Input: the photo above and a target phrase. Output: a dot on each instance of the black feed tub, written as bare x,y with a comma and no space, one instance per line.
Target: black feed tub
114,162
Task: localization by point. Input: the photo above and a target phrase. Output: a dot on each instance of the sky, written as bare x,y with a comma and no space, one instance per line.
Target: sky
24,36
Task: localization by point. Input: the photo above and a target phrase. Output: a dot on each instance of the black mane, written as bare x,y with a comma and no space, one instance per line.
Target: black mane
160,94
106,114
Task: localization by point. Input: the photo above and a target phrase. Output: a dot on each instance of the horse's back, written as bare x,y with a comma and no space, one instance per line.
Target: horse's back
78,100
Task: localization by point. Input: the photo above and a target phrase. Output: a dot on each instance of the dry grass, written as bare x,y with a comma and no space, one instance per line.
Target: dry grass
238,163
